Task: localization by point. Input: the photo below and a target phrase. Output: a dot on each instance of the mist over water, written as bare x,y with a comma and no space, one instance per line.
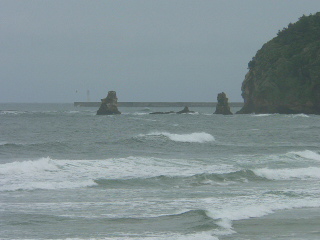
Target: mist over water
66,173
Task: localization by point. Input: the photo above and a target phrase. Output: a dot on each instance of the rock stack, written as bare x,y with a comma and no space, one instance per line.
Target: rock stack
222,105
109,105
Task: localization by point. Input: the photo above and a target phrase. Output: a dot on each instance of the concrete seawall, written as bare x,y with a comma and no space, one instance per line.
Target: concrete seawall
158,104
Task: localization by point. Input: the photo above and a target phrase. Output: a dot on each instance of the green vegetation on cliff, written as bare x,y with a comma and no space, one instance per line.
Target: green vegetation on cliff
284,76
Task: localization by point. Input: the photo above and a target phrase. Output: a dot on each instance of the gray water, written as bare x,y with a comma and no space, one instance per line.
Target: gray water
66,173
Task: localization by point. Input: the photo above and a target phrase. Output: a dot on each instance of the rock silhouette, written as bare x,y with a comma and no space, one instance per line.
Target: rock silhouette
222,105
109,105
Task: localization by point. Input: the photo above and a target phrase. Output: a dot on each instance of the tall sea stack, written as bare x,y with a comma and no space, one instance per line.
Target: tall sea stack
109,105
222,105
284,75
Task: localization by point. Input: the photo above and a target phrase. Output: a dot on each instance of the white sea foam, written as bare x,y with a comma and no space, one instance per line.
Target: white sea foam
289,173
26,167
12,112
300,115
197,137
140,113
46,173
307,154
253,207
262,115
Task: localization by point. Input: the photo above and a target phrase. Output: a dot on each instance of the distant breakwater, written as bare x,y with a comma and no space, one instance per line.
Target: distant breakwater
158,104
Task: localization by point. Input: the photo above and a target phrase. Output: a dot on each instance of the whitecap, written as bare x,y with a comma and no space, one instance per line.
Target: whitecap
28,167
140,113
262,115
307,154
300,115
47,173
196,137
288,173
245,208
10,112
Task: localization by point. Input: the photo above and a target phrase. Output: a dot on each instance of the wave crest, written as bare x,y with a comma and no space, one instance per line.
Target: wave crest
288,174
196,137
58,174
307,154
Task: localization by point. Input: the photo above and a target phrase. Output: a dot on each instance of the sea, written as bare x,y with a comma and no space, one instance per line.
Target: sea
66,173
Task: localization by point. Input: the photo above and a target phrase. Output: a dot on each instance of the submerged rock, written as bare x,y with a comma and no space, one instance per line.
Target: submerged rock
185,110
109,105
222,105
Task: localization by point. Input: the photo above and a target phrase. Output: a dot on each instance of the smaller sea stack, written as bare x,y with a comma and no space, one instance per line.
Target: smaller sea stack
223,105
109,105
185,110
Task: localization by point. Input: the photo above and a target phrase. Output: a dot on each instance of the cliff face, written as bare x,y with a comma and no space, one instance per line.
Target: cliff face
284,76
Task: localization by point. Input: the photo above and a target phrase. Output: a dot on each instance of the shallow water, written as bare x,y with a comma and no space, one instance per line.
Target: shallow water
66,173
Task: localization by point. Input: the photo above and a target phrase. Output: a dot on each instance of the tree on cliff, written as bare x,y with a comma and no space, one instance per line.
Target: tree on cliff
284,75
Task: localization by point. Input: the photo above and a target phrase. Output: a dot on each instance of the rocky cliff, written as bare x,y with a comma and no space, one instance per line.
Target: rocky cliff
284,75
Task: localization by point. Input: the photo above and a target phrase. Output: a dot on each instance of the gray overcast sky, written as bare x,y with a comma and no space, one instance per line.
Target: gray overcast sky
146,50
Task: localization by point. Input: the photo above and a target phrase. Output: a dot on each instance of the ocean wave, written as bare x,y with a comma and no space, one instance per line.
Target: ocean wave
307,154
196,137
156,236
189,221
256,208
292,158
241,176
47,173
289,173
43,164
299,115
262,115
140,113
44,173
3,143
10,112
37,185
56,174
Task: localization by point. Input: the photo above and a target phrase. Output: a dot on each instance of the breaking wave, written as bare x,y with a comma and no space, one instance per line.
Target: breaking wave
262,115
10,112
46,173
256,208
300,115
289,173
197,137
307,154
234,177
